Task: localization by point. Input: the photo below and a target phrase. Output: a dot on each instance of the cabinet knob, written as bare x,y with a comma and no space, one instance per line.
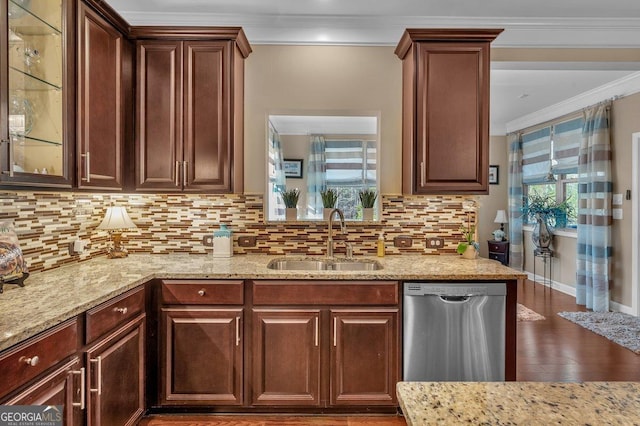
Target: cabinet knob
201,292
32,361
120,310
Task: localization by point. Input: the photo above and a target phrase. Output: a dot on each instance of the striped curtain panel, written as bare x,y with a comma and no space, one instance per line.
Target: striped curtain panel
515,201
316,176
567,137
536,152
594,257
277,179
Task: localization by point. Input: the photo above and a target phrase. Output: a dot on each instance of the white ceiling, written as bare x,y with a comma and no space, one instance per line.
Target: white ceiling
517,89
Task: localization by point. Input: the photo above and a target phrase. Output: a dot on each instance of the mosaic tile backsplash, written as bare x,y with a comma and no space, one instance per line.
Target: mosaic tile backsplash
47,223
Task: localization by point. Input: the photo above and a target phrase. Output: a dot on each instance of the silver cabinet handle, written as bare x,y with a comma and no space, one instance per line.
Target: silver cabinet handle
335,331
185,181
316,332
10,147
237,331
201,292
82,402
30,361
87,166
177,173
98,361
422,173
121,310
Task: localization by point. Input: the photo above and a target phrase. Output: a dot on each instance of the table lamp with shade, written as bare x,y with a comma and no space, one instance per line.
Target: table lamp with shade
115,221
501,218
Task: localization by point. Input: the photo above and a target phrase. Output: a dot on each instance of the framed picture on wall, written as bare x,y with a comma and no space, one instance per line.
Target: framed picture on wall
494,175
293,168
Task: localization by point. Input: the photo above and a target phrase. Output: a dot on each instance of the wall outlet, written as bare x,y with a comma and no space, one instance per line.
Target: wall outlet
435,243
207,240
77,247
247,241
402,241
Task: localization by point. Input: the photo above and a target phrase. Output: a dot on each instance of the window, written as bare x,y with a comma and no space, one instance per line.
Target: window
550,164
351,167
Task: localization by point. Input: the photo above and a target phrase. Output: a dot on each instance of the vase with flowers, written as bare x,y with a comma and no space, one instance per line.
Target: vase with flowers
546,213
469,247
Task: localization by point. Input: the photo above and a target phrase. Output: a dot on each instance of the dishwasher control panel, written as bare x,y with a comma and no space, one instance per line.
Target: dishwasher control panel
455,289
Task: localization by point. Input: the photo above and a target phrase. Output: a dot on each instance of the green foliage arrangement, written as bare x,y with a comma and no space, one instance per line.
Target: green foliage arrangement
546,205
468,233
367,198
329,198
290,197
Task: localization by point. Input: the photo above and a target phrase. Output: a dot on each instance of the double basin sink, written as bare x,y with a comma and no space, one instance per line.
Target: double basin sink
324,264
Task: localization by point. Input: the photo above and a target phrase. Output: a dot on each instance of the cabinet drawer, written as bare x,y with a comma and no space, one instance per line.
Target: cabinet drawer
36,355
497,256
358,293
109,315
497,248
204,292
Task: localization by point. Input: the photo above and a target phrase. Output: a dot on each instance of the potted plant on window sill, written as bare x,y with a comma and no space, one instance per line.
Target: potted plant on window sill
469,247
290,198
548,214
329,200
367,200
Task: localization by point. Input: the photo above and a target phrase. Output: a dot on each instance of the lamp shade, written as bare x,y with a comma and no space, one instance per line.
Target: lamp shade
116,218
501,217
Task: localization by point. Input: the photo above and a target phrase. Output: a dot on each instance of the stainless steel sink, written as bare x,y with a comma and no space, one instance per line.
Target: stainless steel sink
324,265
297,265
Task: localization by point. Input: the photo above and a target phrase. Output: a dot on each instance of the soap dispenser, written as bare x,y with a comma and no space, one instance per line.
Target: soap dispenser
222,242
381,245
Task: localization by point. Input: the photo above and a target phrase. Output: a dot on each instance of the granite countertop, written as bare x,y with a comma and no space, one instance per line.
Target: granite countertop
54,296
514,403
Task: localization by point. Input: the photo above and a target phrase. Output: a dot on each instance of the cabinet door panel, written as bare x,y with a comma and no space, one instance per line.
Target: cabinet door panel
201,356
206,103
61,387
159,115
101,100
116,376
364,357
286,357
452,115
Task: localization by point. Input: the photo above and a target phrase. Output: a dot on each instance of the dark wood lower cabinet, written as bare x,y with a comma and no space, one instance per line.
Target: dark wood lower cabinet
61,387
201,359
116,376
286,357
364,357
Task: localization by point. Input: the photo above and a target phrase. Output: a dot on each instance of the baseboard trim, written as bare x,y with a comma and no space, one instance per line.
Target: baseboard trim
571,291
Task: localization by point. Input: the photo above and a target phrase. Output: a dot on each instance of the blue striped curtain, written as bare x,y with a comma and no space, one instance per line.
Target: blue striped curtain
515,201
316,176
567,137
594,257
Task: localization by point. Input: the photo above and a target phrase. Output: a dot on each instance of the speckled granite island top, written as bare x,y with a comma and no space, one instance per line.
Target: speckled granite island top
54,296
520,403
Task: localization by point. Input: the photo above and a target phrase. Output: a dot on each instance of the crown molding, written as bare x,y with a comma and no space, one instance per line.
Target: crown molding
618,88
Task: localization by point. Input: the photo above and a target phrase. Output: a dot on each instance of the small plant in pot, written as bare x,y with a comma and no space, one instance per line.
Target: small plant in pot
469,247
290,198
329,200
367,200
547,213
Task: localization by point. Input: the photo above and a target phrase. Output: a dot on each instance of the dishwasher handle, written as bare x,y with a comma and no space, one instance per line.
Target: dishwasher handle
455,299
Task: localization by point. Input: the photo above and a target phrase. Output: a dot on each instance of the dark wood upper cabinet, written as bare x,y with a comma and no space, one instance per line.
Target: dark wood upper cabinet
104,90
445,130
189,127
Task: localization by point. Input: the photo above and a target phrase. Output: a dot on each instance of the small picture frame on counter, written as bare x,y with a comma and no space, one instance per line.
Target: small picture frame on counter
494,175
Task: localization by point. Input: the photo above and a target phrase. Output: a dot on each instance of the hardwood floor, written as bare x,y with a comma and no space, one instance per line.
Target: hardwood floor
558,350
554,350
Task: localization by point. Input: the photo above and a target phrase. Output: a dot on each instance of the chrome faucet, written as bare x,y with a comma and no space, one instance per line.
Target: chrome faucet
330,236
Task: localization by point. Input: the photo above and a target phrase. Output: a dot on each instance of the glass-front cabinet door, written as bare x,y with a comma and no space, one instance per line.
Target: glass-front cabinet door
35,147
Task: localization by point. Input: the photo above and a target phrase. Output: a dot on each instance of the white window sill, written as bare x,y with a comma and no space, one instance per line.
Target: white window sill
567,232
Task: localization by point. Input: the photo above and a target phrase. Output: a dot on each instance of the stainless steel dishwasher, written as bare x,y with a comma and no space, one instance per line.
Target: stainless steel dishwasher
454,331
